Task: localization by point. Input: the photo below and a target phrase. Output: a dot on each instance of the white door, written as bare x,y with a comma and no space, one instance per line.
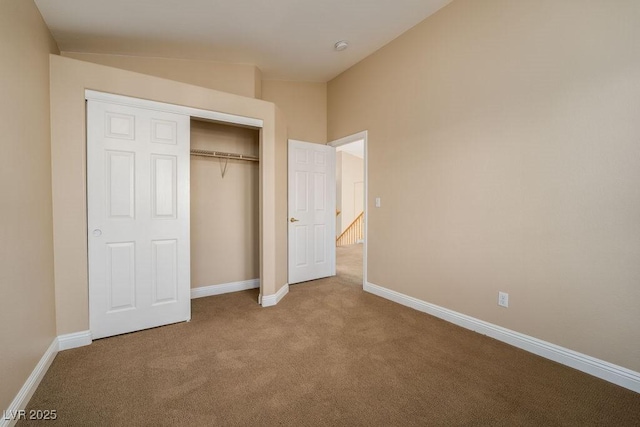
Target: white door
138,218
312,211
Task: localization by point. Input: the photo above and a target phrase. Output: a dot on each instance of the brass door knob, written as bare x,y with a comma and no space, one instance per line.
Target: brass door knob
294,220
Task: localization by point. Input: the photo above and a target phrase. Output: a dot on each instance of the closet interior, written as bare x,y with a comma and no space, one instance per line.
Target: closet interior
224,204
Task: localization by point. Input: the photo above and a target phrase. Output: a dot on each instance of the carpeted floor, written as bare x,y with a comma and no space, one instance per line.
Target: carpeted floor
327,354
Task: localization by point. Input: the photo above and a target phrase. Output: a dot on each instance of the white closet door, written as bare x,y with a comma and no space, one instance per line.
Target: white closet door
138,218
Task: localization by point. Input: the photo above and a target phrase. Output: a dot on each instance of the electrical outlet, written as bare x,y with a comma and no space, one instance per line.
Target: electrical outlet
503,299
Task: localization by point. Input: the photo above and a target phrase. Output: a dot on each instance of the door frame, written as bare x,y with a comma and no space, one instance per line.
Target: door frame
344,141
173,108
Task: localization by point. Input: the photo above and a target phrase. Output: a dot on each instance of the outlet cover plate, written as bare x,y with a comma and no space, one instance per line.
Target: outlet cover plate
503,299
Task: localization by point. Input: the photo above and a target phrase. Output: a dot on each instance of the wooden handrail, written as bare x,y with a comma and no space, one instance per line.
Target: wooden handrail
353,233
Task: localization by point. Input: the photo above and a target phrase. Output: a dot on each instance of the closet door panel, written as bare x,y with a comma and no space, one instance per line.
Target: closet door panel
163,186
120,126
121,278
164,131
164,270
120,180
138,218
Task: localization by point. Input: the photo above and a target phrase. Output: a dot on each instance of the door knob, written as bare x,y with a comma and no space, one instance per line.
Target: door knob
97,232
294,220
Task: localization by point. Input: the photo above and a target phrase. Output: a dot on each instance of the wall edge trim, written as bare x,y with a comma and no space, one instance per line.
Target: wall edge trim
31,384
173,108
74,340
271,300
590,365
224,288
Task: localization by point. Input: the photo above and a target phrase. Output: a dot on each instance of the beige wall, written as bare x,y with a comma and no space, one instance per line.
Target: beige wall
240,79
506,134
257,79
304,104
69,78
224,211
27,316
351,172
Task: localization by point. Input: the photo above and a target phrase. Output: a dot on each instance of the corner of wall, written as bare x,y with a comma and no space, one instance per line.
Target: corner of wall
258,83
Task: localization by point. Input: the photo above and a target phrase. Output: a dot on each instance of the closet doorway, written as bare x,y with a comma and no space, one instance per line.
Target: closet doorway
225,250
139,195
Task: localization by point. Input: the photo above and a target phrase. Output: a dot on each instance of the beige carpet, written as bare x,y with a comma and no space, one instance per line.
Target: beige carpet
328,354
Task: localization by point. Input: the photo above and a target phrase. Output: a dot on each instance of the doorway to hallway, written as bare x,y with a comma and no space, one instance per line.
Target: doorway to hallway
351,206
349,263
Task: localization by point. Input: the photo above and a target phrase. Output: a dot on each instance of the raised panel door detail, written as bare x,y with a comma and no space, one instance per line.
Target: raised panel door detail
319,158
319,191
163,186
120,126
163,131
302,156
302,188
164,270
320,248
121,276
301,246
137,218
120,182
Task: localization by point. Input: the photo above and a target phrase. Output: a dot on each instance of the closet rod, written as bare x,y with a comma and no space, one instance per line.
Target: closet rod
221,155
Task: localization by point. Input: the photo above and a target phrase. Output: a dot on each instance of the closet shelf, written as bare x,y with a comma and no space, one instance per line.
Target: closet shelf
221,155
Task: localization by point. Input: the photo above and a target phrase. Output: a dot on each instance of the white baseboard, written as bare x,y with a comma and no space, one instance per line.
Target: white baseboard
598,368
225,288
270,300
24,395
74,340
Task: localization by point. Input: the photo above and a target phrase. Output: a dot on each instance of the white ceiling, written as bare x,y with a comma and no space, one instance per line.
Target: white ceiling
286,39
